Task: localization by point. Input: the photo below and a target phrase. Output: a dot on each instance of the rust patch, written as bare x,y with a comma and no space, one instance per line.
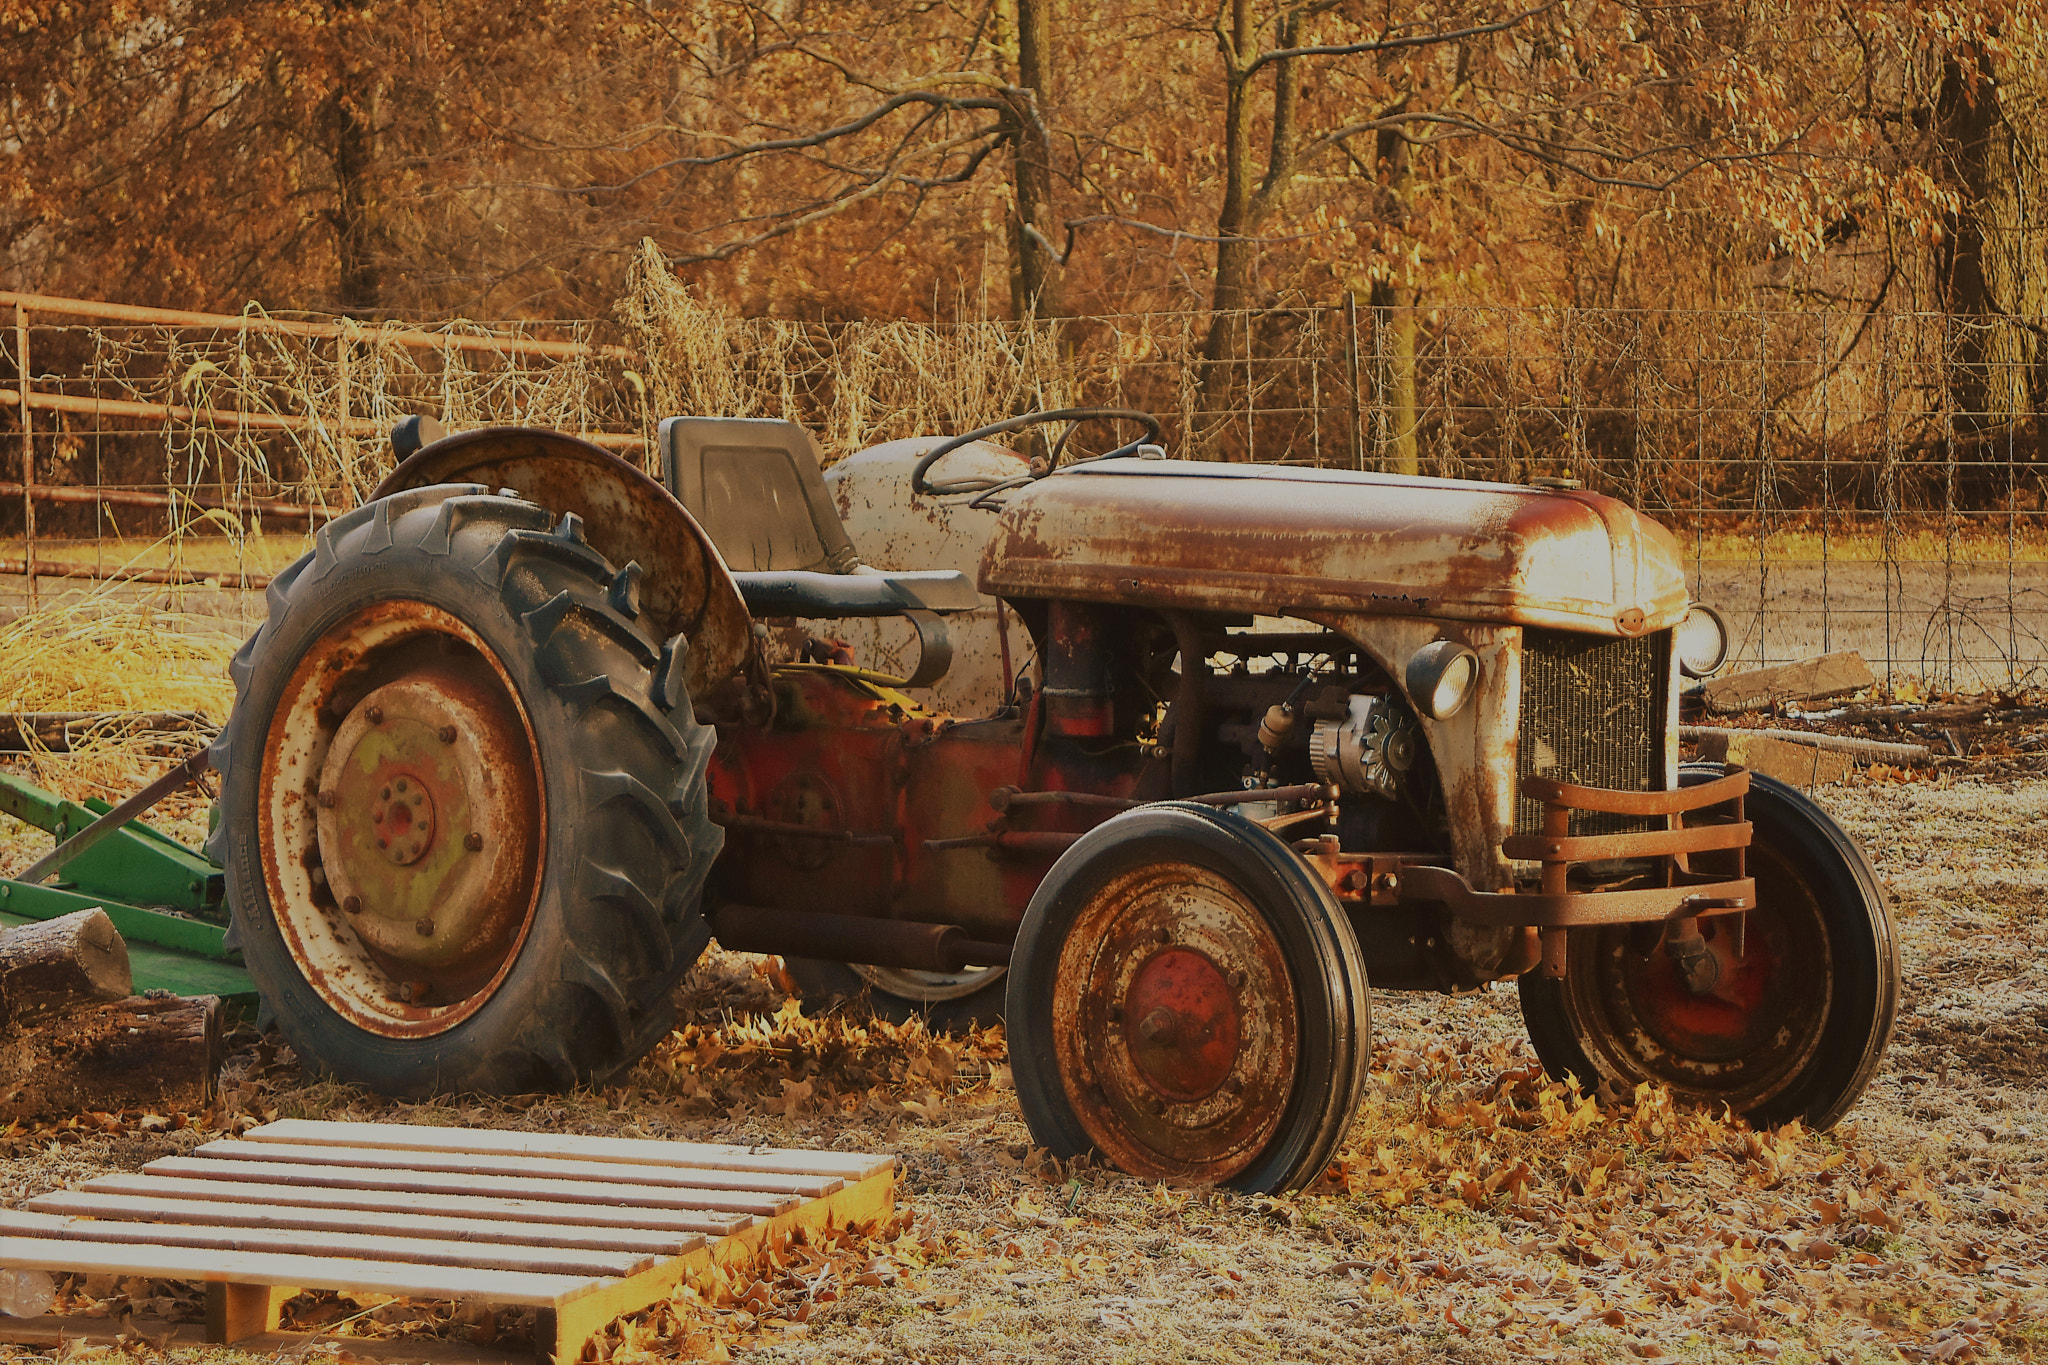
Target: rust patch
1174,1024
390,974
1287,541
627,516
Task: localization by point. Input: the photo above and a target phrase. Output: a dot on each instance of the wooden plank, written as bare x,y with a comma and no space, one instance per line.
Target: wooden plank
76,1203
441,1182
554,1168
590,1310
499,1142
238,1311
379,1202
366,1246
342,1275
55,1331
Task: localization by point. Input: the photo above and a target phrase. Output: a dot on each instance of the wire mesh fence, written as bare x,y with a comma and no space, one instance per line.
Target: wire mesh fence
1860,480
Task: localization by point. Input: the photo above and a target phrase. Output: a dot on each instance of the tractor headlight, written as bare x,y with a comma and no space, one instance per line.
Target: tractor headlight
1441,678
1701,641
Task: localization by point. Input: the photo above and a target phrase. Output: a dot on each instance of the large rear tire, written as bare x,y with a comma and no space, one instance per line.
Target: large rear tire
1801,1015
463,814
1189,1000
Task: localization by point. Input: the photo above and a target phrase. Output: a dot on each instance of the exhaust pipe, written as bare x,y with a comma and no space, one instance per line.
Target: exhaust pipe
854,938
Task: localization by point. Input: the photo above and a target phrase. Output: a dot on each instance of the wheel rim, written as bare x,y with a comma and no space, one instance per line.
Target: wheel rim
1175,1024
1742,1043
400,819
928,988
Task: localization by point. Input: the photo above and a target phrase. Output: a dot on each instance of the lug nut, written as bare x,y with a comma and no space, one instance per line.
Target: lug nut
328,800
1234,1086
424,927
1165,935
1236,978
374,714
473,841
401,784
352,904
447,734
1158,1106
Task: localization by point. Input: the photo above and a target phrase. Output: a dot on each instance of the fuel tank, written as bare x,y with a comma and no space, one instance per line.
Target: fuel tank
1287,540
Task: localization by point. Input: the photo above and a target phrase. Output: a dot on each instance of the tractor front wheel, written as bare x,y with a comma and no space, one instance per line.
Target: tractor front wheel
1803,997
1187,999
463,815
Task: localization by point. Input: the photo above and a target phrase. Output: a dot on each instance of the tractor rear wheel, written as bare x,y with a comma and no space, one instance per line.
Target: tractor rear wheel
1806,994
463,813
1188,999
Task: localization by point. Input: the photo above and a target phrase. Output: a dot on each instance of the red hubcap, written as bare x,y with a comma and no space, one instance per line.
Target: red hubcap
1186,1036
1175,1023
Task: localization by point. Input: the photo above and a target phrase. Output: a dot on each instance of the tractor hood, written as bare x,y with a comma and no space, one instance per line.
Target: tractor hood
1283,540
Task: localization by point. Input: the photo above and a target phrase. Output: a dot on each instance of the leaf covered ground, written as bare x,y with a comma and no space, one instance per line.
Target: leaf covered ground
1479,1213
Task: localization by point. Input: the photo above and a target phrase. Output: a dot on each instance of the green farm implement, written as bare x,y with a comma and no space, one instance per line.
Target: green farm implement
166,899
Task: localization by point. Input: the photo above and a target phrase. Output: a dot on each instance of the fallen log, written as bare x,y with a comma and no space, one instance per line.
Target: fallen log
145,1052
77,959
1865,750
57,731
1830,675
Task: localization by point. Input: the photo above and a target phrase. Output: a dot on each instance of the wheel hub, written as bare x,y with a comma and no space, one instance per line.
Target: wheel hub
404,817
421,841
1734,1019
1175,1024
1188,1033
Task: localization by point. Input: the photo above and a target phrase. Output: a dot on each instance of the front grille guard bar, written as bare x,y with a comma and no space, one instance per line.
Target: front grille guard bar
1683,893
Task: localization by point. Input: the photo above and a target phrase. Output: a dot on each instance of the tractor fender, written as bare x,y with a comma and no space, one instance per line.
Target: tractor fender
684,588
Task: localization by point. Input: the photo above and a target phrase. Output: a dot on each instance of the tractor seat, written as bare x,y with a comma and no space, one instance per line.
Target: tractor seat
757,487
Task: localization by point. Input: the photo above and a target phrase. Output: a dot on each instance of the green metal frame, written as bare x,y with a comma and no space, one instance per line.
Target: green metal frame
166,900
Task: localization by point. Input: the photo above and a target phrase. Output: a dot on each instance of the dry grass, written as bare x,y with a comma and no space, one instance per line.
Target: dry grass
854,384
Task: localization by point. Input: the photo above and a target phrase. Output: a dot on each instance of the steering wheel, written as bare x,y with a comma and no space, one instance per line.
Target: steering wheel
921,485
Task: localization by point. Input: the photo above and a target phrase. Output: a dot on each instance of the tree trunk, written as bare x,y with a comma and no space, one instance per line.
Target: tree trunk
352,111
162,1055
1034,269
77,959
1394,319
1992,263
1245,205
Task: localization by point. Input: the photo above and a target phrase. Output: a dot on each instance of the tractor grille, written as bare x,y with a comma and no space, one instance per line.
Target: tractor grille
1592,714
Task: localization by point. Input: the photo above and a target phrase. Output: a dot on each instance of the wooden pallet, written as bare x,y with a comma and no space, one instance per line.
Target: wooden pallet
582,1229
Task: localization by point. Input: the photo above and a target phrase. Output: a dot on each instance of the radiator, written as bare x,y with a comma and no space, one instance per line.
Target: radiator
1593,712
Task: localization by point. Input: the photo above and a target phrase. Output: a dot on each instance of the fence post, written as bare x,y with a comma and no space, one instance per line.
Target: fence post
1351,363
28,457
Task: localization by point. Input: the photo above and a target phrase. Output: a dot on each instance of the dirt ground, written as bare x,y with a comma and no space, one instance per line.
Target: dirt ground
1479,1213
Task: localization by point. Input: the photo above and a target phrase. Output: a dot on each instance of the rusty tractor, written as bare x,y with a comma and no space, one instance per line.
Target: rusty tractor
1223,743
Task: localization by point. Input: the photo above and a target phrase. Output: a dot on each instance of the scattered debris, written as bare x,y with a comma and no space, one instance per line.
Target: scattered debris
1830,675
1802,758
77,1040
